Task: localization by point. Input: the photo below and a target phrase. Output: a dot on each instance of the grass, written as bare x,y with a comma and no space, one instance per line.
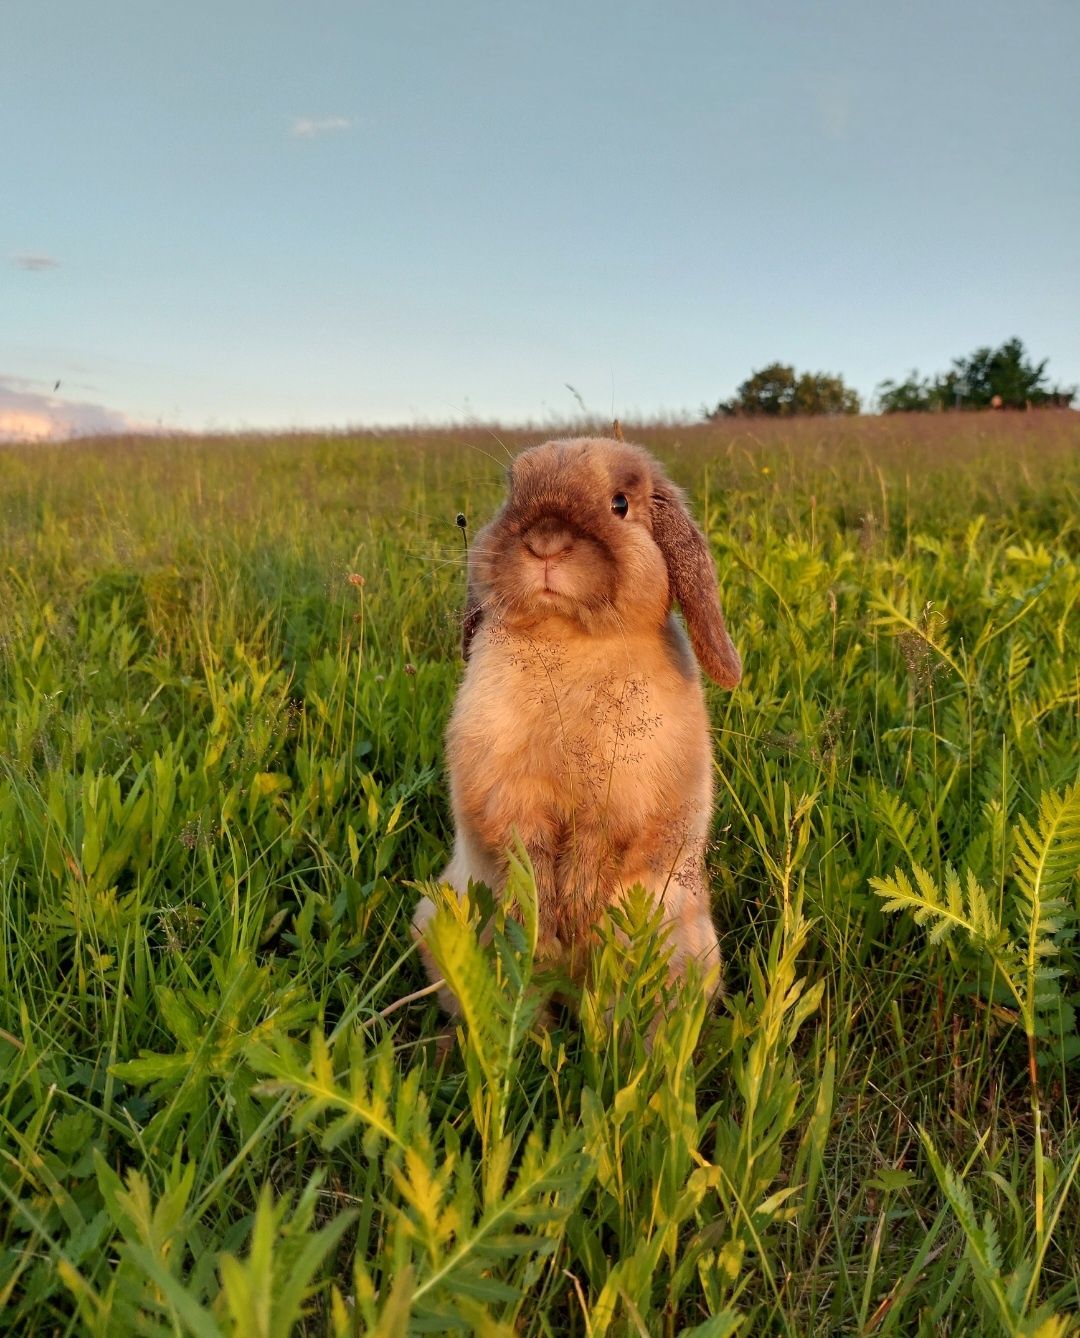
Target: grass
220,788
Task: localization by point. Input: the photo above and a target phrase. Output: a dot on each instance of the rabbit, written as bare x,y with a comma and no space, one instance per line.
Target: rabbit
580,723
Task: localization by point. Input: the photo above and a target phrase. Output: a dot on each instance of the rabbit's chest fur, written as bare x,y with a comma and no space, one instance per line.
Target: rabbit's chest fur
591,753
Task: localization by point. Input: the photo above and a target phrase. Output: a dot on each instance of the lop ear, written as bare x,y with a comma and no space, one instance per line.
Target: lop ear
693,583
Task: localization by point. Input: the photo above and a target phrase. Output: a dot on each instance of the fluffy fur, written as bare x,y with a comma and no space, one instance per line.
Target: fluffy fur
580,723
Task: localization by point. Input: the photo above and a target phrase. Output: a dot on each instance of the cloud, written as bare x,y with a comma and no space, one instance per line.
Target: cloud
307,127
34,262
28,415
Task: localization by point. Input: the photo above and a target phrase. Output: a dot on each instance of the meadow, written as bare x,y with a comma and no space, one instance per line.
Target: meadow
225,669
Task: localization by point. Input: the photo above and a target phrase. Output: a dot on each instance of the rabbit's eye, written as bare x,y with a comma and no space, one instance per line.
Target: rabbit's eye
620,505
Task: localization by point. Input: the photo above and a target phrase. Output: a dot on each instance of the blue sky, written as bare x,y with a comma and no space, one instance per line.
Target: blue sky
273,215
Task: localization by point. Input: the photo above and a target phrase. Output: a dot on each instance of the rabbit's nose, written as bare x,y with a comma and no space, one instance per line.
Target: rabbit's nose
548,539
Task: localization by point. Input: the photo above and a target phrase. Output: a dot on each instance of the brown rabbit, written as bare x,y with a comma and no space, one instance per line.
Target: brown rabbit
580,723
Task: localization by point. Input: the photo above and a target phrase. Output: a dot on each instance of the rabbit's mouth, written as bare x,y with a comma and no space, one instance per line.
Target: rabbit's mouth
561,591
558,577
549,576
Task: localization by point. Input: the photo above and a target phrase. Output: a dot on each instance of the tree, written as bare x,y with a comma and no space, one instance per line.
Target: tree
820,393
777,392
987,378
910,396
916,395
770,391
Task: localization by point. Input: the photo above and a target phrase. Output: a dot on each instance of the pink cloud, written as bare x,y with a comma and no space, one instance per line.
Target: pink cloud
29,415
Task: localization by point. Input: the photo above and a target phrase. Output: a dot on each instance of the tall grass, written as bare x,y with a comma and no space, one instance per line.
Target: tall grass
221,793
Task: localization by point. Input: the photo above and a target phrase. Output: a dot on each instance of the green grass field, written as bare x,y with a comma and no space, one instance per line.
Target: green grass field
220,785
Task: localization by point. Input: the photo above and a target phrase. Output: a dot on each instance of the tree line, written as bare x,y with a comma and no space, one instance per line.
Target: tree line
989,378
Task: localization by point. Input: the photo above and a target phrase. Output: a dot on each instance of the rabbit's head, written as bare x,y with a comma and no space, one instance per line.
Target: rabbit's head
594,536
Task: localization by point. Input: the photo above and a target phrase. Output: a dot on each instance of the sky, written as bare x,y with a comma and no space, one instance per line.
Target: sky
239,215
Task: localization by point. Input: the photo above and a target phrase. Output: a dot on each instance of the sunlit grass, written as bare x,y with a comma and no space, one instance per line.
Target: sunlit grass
220,782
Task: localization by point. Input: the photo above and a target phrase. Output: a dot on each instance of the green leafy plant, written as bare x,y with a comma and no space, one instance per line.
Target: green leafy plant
1024,936
227,1102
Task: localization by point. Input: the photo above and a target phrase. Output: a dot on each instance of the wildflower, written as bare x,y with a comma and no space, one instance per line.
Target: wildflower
354,578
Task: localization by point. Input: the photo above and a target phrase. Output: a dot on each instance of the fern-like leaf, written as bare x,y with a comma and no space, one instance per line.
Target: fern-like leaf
1047,858
1040,912
944,910
1004,1295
